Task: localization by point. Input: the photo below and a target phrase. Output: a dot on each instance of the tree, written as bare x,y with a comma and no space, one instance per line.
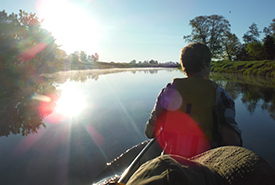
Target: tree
133,62
145,62
255,50
26,50
74,57
272,28
241,53
269,47
218,30
231,45
25,46
266,31
209,30
200,30
153,61
83,56
95,57
252,35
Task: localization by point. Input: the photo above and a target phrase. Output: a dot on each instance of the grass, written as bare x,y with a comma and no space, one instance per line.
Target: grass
257,68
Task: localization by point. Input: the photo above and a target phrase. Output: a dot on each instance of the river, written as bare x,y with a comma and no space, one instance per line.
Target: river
77,121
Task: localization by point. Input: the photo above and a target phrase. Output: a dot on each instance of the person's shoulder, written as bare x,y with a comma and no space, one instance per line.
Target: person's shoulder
223,97
220,89
167,88
194,82
178,80
214,84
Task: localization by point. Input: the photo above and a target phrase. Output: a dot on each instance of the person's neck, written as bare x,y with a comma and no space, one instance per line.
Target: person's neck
197,75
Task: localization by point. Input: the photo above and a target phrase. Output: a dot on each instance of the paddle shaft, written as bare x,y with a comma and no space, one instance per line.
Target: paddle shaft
129,171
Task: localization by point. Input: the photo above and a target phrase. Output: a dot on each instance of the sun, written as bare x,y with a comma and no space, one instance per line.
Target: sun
73,27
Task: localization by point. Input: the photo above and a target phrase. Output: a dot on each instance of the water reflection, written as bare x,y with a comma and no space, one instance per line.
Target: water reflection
23,112
254,91
71,102
83,75
108,110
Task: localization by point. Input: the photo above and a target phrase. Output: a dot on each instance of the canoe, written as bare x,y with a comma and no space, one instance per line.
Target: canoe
115,168
223,165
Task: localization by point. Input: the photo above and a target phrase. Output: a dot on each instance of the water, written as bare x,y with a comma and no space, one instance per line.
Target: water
88,118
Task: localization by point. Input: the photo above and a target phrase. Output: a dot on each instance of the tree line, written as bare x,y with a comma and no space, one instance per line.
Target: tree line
25,44
26,48
215,32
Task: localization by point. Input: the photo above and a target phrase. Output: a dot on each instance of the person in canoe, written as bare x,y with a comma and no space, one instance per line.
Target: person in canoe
194,114
192,120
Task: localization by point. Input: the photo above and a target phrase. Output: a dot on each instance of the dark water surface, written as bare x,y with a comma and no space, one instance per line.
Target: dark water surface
79,120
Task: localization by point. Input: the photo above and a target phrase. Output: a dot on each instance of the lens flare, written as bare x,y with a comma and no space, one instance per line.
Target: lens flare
40,97
96,136
29,54
172,101
27,143
180,134
47,103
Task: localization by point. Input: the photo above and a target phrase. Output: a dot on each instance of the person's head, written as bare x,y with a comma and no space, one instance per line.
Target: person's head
194,58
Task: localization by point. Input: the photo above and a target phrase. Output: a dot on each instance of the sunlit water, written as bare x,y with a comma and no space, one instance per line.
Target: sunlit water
98,115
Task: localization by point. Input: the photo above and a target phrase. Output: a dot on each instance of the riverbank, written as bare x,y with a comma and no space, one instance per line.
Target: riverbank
264,68
255,68
107,65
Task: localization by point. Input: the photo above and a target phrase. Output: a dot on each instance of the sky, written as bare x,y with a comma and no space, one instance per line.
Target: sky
126,30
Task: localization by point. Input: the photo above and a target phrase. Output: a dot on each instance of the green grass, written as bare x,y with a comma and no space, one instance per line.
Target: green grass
257,68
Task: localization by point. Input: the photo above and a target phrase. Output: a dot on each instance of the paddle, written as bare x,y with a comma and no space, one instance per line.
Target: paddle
130,170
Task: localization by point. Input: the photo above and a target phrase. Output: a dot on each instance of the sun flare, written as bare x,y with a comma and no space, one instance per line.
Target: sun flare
71,103
73,27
